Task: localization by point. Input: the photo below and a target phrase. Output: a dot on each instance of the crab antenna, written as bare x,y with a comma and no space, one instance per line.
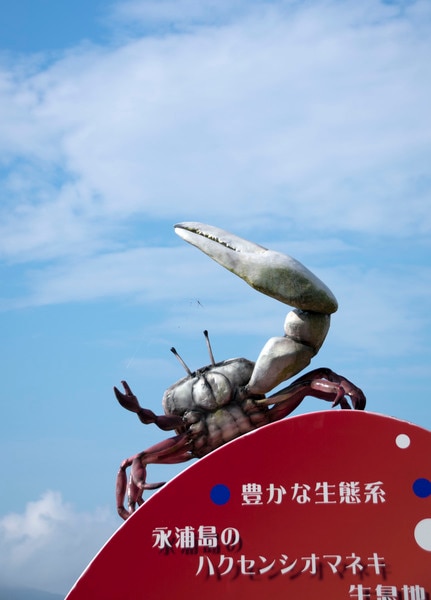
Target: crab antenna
181,361
209,347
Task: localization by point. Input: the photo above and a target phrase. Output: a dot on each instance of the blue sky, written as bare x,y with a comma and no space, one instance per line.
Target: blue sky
303,126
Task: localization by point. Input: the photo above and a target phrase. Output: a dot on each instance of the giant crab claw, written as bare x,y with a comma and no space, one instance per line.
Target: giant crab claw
277,275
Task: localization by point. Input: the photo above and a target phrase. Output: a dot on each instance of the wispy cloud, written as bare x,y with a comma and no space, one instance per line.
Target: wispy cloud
377,318
267,114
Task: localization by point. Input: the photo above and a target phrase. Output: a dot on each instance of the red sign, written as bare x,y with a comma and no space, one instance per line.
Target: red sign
333,505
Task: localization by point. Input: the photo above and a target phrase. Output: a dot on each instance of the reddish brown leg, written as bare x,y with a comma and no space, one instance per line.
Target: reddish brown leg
321,383
171,451
130,402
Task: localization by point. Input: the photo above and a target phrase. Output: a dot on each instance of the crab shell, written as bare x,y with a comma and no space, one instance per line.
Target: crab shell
214,404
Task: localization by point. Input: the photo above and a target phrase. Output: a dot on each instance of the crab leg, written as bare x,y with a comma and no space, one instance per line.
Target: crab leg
168,452
320,383
129,401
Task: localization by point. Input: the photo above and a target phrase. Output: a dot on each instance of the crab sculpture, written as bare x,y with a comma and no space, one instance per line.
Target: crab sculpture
224,400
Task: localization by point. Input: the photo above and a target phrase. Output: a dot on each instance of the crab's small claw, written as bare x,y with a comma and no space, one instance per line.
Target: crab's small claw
272,273
128,400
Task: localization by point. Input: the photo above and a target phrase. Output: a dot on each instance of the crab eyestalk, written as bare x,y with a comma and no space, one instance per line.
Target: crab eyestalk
272,273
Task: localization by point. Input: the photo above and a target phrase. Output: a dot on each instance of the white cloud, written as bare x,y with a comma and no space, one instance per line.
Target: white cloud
50,543
313,112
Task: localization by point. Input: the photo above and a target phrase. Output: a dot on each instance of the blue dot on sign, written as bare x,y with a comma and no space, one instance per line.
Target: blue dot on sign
220,494
422,487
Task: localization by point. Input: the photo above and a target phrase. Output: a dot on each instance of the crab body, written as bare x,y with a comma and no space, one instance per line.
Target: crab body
223,400
214,405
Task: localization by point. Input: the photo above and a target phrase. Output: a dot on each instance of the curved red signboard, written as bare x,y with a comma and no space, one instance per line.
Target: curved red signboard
333,505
